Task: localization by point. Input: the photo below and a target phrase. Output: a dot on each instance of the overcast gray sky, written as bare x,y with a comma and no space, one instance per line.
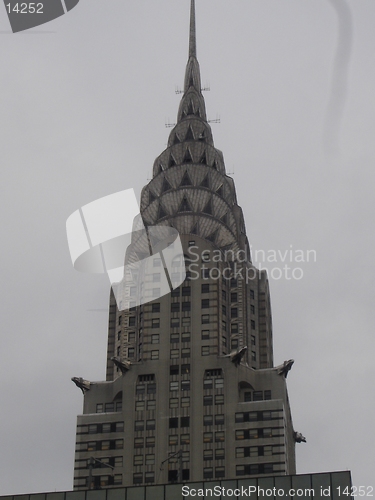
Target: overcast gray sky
84,101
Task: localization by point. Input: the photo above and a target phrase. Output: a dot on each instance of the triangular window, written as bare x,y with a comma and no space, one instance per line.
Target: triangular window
203,160
216,165
166,186
190,110
151,197
186,180
212,236
189,135
185,206
191,81
162,213
176,140
172,161
208,208
187,157
205,183
224,218
220,191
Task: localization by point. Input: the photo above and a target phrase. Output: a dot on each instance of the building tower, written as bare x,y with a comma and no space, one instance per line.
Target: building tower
191,392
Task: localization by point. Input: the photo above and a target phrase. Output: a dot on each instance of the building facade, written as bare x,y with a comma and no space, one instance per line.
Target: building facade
191,393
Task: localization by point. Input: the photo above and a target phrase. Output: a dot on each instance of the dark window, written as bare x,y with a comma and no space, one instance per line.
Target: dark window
205,319
247,397
205,334
175,307
119,320
155,323
149,477
233,297
185,385
207,383
205,303
207,400
175,292
267,395
219,399
132,321
207,454
156,307
174,370
252,309
207,420
219,471
175,322
138,442
205,288
205,273
186,306
208,472
185,439
185,337
173,423
234,312
234,327
253,340
220,454
139,425
150,425
185,422
219,419
258,396
253,356
252,324
233,283
151,388
186,291
224,310
224,294
185,353
172,476
138,478
252,294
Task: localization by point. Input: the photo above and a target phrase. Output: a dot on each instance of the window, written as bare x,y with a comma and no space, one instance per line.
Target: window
119,427
91,446
186,306
224,310
175,353
175,292
155,338
150,442
185,385
208,473
175,307
185,422
174,370
151,404
175,322
155,308
139,425
253,356
156,277
234,343
234,312
118,335
224,340
92,429
154,354
253,340
99,408
173,423
139,405
149,477
150,425
258,396
240,434
185,322
173,403
207,454
185,402
138,478
186,291
185,353
131,352
207,400
233,283
224,295
205,288
205,334
138,442
219,436
267,395
132,321
109,407
185,439
252,309
173,386
205,256
219,399
219,471
247,397
205,350
173,440
205,303
119,320
131,337
234,328
138,460
220,454
252,324
252,294
185,369
219,419
207,420
205,272
150,459
185,337
233,297
207,437
207,383
155,323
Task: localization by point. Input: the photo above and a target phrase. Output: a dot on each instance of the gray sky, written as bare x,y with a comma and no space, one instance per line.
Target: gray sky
84,100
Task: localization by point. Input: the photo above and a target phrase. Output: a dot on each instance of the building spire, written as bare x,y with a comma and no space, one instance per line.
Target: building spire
192,38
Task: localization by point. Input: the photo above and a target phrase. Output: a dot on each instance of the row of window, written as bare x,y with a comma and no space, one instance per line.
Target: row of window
139,425
208,472
258,451
104,463
148,459
208,437
253,416
99,481
138,477
145,388
185,306
257,396
145,405
258,433
109,407
175,353
209,454
247,470
173,439
208,400
101,428
185,385
175,369
184,422
175,337
140,442
114,444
